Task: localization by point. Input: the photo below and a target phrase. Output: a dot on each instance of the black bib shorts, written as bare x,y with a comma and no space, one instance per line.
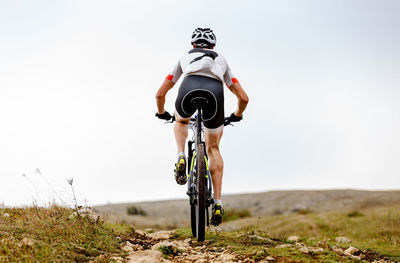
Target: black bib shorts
201,86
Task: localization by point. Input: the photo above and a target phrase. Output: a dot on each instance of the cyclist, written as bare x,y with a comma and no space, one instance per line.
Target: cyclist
205,70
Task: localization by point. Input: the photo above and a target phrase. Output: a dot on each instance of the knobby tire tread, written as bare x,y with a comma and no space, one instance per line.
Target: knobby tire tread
201,193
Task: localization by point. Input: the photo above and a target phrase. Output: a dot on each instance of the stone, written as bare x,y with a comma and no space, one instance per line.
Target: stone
226,257
140,232
161,235
338,250
342,240
304,250
350,251
165,243
283,246
118,259
146,256
269,258
6,215
26,241
127,248
293,238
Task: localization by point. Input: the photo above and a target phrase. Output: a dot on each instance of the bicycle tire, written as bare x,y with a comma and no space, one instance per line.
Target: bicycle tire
193,219
201,193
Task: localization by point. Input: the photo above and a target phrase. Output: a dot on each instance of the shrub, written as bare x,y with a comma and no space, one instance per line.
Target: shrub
234,214
133,210
355,214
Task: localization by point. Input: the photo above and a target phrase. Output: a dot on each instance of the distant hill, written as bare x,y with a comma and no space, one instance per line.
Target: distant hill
174,213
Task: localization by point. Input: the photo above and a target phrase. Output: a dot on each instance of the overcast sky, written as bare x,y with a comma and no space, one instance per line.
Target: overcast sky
78,82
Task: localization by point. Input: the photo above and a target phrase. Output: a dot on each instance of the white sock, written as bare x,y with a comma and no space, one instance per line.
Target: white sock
181,153
218,201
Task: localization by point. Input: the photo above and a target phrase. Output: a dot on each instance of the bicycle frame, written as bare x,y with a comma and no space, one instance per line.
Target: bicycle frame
192,188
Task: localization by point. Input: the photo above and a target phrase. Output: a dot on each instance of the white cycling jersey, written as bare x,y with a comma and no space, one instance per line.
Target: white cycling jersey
204,62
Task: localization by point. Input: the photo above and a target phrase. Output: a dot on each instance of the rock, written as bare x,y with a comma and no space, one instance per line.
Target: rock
350,251
172,245
342,240
140,232
323,244
259,253
338,250
226,257
6,215
316,249
147,256
164,243
356,257
181,245
129,247
307,250
194,257
117,259
293,238
283,246
304,250
261,238
269,258
26,241
161,235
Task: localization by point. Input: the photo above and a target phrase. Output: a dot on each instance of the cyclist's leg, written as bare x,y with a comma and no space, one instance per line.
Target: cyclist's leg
181,132
216,164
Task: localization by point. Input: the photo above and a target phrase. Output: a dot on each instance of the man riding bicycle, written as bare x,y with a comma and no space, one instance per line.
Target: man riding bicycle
204,69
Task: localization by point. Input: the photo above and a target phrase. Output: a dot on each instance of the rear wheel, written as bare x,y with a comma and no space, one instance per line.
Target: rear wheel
201,193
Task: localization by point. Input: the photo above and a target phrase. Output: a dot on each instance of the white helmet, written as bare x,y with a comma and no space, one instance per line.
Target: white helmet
203,37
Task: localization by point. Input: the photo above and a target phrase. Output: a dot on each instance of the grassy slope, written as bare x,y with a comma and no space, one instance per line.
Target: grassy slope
55,237
374,230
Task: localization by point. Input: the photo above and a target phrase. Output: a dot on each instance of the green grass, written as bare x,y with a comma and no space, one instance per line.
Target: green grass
55,237
375,230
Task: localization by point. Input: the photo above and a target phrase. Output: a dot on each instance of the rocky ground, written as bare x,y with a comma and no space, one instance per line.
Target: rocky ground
166,246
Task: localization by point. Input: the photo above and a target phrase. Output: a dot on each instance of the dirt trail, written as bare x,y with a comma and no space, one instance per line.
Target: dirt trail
164,247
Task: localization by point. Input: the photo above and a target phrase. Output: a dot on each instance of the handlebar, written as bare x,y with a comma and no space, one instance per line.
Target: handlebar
226,120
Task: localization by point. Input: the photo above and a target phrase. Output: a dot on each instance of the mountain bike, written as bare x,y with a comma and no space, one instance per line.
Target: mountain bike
199,177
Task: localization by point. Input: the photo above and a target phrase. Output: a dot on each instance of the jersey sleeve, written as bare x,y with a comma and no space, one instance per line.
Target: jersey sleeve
229,78
176,72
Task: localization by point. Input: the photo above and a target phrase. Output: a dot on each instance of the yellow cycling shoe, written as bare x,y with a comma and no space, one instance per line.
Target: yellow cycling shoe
217,213
180,170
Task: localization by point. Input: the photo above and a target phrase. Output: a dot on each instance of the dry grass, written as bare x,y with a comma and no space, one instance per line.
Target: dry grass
48,235
375,229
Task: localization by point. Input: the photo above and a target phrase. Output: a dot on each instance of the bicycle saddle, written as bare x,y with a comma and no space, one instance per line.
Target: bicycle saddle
203,98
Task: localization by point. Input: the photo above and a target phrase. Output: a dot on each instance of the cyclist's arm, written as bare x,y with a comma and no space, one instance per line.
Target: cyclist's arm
168,83
162,91
242,97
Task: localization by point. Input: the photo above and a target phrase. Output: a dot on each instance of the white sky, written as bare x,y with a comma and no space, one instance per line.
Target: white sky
78,81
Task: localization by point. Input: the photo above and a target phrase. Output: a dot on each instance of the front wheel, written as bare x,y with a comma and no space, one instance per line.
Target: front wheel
201,192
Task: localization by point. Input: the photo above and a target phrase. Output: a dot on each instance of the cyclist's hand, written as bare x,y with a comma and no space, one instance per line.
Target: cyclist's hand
164,116
233,118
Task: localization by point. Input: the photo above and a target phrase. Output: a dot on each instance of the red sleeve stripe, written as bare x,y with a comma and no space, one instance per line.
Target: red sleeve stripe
170,77
234,80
